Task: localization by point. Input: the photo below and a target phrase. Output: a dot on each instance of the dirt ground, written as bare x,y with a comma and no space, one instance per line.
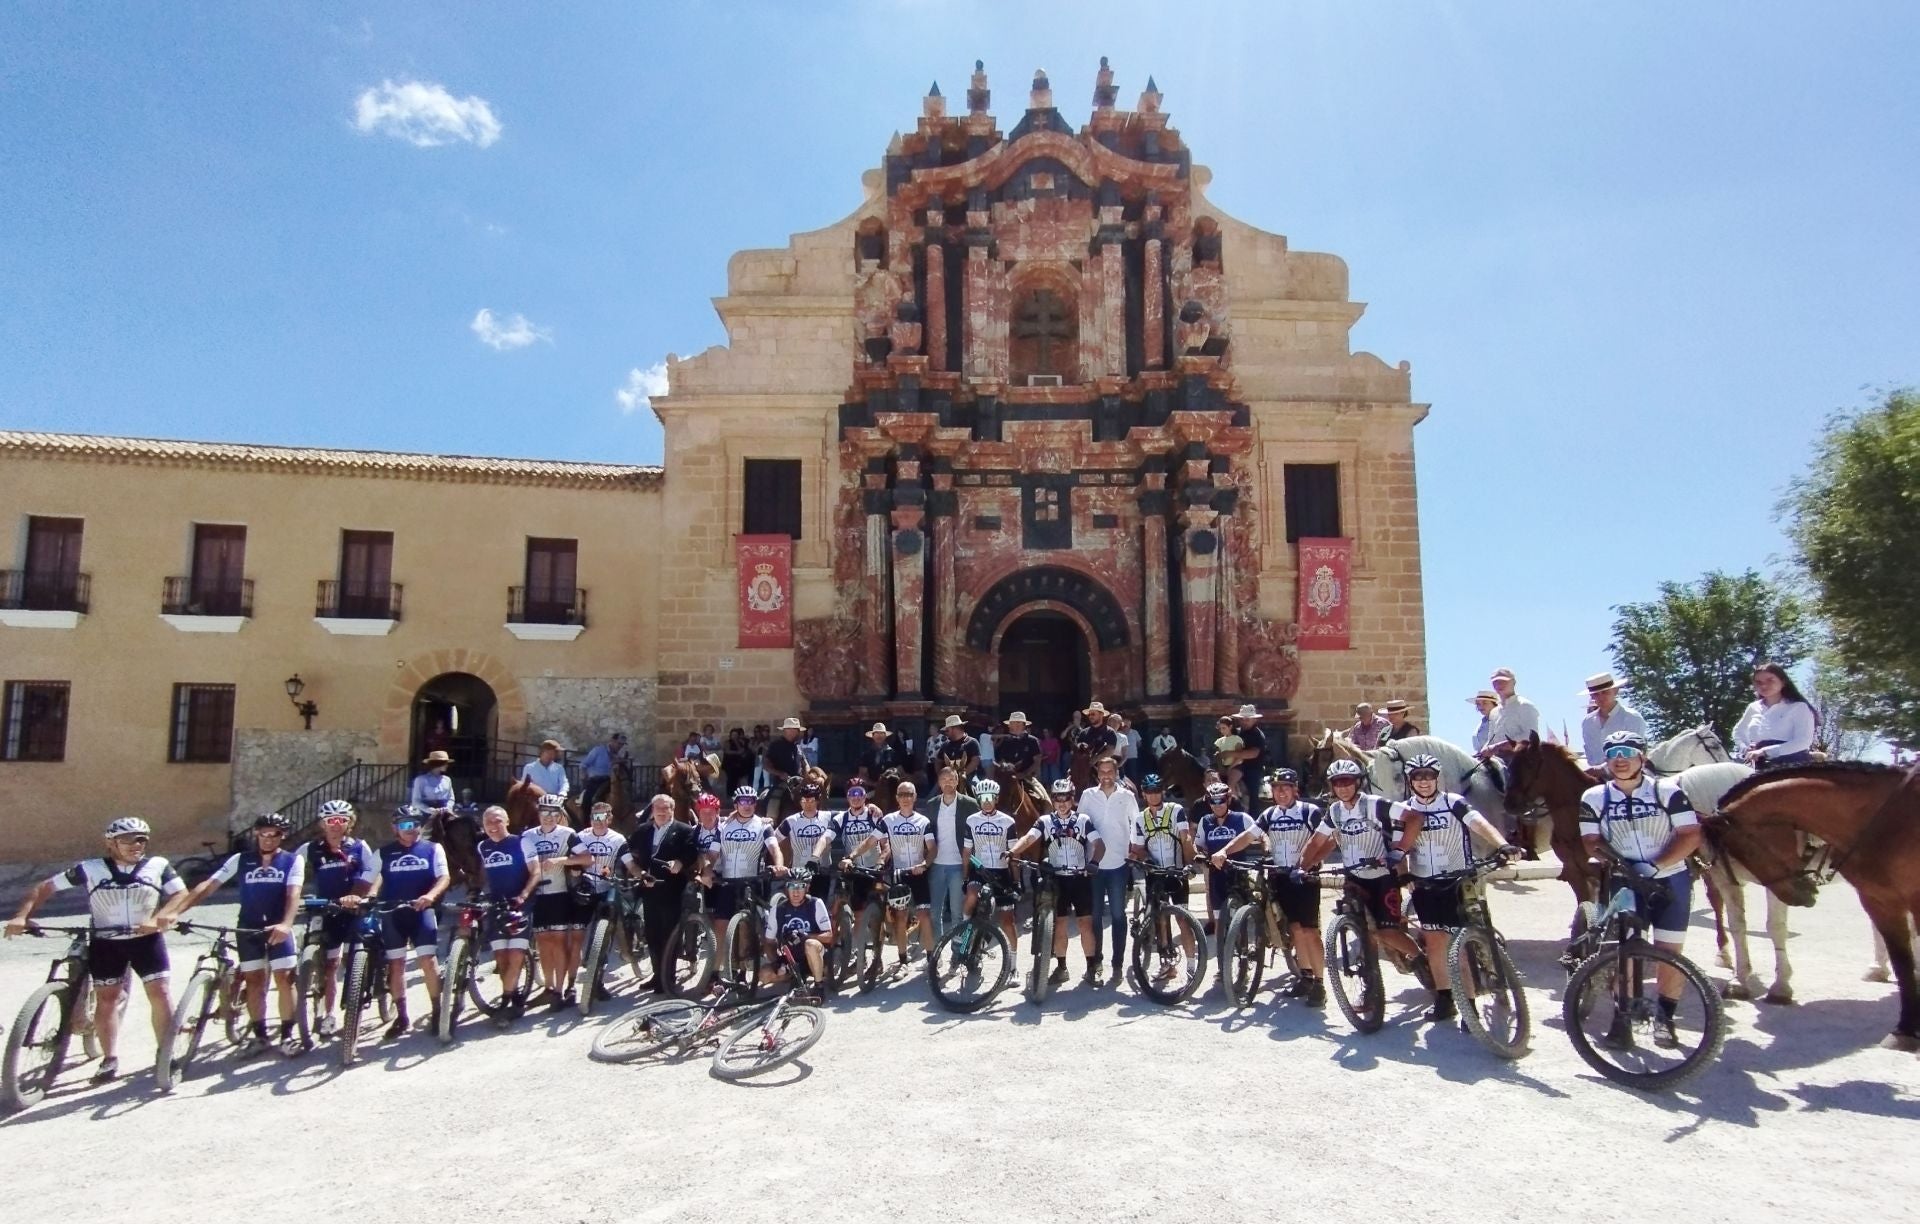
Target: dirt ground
1099,1106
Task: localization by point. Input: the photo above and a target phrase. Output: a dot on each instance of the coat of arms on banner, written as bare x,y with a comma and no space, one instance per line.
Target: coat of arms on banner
1323,592
766,602
1326,588
764,593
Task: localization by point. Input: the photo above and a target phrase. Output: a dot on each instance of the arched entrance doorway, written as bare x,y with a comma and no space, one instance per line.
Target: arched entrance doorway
454,712
1045,671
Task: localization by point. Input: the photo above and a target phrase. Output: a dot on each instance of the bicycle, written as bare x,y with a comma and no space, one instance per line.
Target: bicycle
1044,892
974,952
1165,937
859,932
363,959
612,925
679,1026
195,868
1487,988
1608,992
1354,948
742,945
214,991
463,979
783,1033
53,1015
1243,936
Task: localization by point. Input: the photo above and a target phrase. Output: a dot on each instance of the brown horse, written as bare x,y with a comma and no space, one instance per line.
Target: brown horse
523,805
684,781
783,799
1867,822
1019,801
1184,774
458,835
1547,774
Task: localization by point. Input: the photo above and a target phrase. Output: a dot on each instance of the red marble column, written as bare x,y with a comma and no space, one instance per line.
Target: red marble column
909,598
1153,326
936,305
1199,582
1113,310
1229,618
943,597
877,619
1155,620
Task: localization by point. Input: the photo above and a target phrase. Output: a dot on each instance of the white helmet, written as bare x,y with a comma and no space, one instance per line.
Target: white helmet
552,803
336,807
986,788
1345,769
122,826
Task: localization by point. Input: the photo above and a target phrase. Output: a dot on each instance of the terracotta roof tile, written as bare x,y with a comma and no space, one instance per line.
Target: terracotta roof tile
312,459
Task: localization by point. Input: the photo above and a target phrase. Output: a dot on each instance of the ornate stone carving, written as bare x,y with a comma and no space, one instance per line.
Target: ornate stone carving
1269,658
826,653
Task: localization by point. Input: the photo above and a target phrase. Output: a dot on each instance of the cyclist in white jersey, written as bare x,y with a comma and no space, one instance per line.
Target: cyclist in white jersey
744,839
988,857
907,839
800,836
131,900
1163,837
1073,846
1366,828
603,845
1650,826
1437,829
551,848
1289,826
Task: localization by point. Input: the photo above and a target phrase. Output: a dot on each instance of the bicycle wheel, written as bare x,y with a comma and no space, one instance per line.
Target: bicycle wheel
37,1045
843,964
689,957
1169,955
455,981
1612,1027
1039,983
647,1029
306,992
1353,973
784,1036
869,942
593,965
353,1002
970,966
492,996
743,950
1244,959
1488,991
185,1030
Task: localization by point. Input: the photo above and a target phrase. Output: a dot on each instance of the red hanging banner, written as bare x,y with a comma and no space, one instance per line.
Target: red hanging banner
766,591
1325,593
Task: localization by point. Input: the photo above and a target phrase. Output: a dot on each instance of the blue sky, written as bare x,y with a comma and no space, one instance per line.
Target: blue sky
1634,254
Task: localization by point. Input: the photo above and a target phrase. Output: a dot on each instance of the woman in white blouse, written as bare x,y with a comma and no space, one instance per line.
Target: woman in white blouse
1778,730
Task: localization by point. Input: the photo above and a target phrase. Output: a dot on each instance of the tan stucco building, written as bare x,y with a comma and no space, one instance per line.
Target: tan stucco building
1049,408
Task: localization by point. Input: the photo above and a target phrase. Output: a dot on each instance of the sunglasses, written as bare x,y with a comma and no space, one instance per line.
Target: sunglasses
1620,752
404,825
138,839
341,821
1423,774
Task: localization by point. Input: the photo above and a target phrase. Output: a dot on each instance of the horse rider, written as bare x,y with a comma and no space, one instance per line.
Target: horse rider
1399,726
1369,728
783,758
546,771
1779,728
1486,701
432,790
1096,737
880,755
1019,755
1514,720
1436,834
957,748
1251,759
1649,824
597,769
1609,714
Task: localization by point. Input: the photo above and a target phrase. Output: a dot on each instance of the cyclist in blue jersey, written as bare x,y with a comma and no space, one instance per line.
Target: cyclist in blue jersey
799,921
270,880
510,881
1224,834
341,869
413,877
845,831
986,841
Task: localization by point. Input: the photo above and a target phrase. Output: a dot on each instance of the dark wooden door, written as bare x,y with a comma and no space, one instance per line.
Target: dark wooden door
1044,669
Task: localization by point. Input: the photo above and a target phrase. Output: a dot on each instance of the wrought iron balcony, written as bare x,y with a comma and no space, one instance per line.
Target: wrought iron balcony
185,597
24,590
348,601
546,606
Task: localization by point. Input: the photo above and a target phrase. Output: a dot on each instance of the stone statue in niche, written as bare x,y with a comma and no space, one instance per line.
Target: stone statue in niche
1269,658
906,328
826,653
1193,328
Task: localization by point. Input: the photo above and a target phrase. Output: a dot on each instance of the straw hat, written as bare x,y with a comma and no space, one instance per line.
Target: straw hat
437,757
1396,706
1246,711
1018,716
953,720
1601,683
879,731
1095,708
1485,695
792,724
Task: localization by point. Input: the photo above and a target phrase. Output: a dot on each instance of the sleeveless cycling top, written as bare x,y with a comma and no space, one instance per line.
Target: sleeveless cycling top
332,874
505,863
408,873
263,884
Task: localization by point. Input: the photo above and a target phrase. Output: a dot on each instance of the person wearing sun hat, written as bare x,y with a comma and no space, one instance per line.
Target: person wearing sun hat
1097,737
956,748
1515,720
433,789
1486,701
1609,714
880,755
1019,754
1400,726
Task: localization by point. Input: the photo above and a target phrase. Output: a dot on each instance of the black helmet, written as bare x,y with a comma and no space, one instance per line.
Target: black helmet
1285,777
1152,782
272,820
1626,739
810,790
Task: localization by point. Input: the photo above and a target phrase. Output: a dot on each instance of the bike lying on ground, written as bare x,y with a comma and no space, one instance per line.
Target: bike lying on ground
53,1015
1169,945
777,1036
1612,1018
973,962
214,992
1354,948
476,923
675,1027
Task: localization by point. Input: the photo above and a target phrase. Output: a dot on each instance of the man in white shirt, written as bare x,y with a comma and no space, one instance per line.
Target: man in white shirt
1514,720
947,813
1163,743
1110,810
1129,748
1609,714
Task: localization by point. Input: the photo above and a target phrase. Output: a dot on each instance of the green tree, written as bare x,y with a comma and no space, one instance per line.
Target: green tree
1844,731
1854,517
1689,655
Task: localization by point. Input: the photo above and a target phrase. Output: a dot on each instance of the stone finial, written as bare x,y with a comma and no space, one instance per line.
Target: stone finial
896,146
1103,90
978,95
1042,96
934,106
1150,99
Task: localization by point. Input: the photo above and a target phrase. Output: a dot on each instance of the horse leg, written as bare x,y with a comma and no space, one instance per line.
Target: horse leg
1879,972
1891,922
1782,989
1731,900
1709,880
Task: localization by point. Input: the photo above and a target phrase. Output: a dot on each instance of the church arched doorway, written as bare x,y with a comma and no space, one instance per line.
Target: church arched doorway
1045,670
455,712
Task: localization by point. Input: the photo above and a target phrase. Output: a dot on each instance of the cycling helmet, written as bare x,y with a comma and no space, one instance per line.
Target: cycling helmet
552,803
1152,783
707,801
810,790
407,811
514,924
128,826
1626,739
746,794
1219,792
800,879
1286,776
336,809
856,790
272,820
1063,789
986,788
899,897
1425,762
1344,769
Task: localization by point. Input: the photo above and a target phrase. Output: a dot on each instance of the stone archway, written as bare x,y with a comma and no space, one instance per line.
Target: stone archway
455,712
418,673
1045,666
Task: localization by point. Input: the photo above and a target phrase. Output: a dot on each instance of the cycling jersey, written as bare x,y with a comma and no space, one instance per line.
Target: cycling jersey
505,863
120,899
561,842
908,835
708,840
986,838
333,873
741,844
802,833
788,923
1638,826
1067,840
606,849
1215,835
408,873
263,884
1444,843
1288,830
1367,830
852,827
1158,830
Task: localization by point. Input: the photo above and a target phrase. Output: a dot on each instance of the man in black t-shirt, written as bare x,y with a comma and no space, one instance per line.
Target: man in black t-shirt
1252,763
783,758
1018,752
881,754
957,748
1097,737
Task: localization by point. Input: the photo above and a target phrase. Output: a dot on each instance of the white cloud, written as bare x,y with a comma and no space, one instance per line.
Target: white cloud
642,386
513,332
425,115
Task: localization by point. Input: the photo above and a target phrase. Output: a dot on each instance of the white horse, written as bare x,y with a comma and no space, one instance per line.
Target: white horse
1460,773
1705,786
1699,745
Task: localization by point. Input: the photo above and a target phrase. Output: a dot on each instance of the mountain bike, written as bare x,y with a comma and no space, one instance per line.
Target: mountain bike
53,1015
1169,945
690,953
741,949
1243,936
613,924
1039,980
973,962
363,960
1609,1012
779,1035
1354,948
859,932
676,1026
477,922
1486,987
213,991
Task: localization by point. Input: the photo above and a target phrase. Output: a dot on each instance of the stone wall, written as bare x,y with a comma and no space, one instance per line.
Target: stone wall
271,768
583,711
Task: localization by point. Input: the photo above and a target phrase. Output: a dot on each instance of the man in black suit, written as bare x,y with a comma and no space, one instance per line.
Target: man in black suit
666,851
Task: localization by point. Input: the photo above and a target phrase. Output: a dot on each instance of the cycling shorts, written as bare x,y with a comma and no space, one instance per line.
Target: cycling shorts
1669,916
497,937
1438,906
557,912
256,953
1382,897
410,929
1299,902
109,959
1073,896
331,931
